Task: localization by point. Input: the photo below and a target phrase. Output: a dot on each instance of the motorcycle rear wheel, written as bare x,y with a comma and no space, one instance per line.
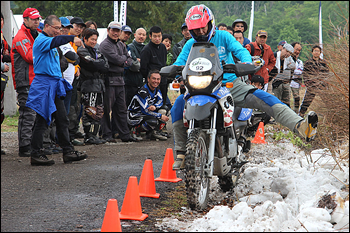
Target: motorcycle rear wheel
197,182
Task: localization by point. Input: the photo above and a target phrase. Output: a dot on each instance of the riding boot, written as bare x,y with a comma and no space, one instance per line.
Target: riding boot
179,161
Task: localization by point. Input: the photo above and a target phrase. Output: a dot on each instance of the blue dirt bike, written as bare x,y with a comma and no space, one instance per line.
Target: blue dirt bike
216,133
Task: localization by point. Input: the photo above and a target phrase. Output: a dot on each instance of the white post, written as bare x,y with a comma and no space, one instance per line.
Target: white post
10,106
123,12
251,23
320,28
115,10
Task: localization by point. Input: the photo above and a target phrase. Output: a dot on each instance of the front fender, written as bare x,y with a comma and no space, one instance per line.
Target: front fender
198,107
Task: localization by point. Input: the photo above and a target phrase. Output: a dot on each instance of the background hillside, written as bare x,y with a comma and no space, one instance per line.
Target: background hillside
283,20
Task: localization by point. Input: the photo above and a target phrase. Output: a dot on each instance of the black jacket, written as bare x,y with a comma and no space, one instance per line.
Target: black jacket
178,47
134,78
153,57
93,64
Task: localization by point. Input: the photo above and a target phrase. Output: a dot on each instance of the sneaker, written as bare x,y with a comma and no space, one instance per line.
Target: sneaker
40,160
73,156
3,152
156,135
76,142
307,128
179,162
92,140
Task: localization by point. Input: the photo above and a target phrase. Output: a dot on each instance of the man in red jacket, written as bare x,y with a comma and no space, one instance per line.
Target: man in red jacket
263,50
23,75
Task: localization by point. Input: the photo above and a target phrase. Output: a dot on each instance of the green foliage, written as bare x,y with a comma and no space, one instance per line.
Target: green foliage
295,140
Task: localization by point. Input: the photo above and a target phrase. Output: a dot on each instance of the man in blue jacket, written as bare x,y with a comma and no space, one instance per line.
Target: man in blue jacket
47,92
200,21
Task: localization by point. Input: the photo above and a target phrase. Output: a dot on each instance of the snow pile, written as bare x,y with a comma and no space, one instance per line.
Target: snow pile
281,190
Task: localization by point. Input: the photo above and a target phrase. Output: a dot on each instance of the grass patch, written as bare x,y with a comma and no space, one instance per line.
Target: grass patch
10,124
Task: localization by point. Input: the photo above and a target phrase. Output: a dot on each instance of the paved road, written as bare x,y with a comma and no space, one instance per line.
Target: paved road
72,197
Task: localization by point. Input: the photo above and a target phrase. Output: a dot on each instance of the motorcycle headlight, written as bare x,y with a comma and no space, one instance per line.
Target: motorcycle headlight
199,82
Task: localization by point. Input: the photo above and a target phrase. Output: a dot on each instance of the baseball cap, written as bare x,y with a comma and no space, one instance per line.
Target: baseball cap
183,26
77,20
126,28
115,24
65,22
31,13
282,42
261,33
288,47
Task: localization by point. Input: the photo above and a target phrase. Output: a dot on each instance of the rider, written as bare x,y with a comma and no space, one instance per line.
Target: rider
201,24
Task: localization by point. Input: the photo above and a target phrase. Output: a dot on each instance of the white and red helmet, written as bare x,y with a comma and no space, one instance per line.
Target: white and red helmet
197,17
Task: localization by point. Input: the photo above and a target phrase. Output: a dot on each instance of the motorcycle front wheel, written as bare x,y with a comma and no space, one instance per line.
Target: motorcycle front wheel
197,182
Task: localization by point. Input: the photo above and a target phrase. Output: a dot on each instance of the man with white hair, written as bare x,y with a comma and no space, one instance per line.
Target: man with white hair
285,67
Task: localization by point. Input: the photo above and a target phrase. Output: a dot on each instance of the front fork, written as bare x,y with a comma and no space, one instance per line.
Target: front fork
209,168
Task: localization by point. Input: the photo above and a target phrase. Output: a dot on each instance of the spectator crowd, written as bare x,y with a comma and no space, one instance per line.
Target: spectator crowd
64,78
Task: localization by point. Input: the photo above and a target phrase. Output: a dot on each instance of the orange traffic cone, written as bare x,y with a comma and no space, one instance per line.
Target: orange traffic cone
259,135
147,185
131,208
168,174
111,221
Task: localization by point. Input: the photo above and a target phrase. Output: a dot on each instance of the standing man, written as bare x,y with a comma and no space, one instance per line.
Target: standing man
75,105
133,78
239,36
178,46
153,57
315,70
92,64
47,92
296,78
72,58
263,50
114,99
285,66
126,33
23,75
241,25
